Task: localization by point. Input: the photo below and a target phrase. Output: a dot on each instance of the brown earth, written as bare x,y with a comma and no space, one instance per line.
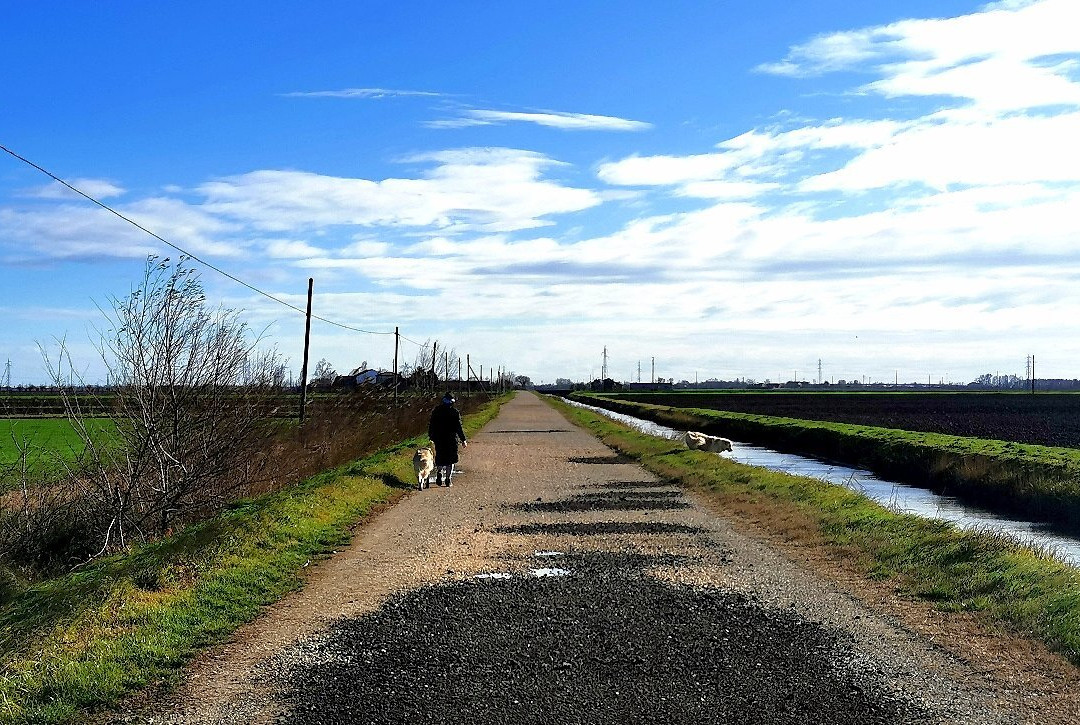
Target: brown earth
531,484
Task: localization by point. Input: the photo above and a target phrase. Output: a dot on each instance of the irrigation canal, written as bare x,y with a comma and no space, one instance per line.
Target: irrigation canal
895,495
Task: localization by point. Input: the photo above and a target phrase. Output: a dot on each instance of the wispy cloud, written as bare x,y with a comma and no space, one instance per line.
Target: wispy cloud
374,93
494,189
487,117
291,249
97,188
1009,56
552,119
80,231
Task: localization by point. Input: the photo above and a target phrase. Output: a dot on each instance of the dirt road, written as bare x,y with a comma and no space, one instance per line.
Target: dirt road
556,582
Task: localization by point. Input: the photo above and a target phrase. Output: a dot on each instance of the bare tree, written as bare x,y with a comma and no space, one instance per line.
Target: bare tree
424,370
190,404
324,372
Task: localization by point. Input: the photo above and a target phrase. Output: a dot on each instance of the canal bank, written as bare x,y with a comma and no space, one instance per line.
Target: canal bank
1000,583
1042,537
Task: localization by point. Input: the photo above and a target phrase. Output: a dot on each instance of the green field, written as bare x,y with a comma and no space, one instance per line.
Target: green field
49,442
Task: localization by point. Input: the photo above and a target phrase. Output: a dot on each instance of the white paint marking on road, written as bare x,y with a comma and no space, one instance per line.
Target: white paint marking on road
549,572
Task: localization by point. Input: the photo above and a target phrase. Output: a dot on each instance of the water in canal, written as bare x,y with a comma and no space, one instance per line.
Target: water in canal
895,495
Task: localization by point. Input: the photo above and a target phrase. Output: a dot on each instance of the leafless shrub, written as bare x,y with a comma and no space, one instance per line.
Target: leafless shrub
190,402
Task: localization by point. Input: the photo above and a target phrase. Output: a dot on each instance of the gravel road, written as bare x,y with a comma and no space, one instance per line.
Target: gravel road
558,582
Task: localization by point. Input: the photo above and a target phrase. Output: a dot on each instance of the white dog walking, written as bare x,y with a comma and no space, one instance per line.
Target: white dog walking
423,462
703,442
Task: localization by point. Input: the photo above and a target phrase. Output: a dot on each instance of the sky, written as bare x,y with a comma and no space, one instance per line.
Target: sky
736,189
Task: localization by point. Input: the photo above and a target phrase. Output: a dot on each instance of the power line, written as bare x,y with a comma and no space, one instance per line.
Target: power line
186,253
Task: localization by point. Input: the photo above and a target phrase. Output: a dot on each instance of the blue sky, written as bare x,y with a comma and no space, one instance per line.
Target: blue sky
738,189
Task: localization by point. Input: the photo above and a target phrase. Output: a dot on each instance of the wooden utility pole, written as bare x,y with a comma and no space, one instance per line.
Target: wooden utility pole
468,374
434,375
307,341
1032,374
397,335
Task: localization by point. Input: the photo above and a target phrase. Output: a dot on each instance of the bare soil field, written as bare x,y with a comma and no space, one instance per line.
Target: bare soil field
1049,419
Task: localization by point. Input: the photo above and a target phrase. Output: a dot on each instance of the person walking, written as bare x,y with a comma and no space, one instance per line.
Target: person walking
444,430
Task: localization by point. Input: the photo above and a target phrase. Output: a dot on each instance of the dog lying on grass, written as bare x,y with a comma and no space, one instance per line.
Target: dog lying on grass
703,442
423,462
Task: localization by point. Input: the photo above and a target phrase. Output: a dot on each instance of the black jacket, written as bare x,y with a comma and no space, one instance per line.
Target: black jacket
444,430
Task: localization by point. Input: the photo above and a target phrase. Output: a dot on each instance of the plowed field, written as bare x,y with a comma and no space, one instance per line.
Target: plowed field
1050,419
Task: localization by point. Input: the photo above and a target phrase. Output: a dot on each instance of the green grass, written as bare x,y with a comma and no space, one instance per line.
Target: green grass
88,638
1008,584
1039,481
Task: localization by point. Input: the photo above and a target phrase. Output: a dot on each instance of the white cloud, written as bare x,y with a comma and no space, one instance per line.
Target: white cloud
667,170
747,165
994,59
725,189
553,119
96,188
827,53
372,93
835,134
941,150
491,189
458,122
495,189
291,249
82,231
365,248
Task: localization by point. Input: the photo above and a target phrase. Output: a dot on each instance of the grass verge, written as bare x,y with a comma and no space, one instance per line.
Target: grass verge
1006,583
88,638
1037,481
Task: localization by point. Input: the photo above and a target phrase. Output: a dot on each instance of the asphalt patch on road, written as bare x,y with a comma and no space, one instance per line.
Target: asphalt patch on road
529,430
607,501
656,495
603,644
598,528
631,484
623,564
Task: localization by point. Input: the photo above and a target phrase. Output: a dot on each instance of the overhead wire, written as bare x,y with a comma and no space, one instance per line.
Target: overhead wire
191,255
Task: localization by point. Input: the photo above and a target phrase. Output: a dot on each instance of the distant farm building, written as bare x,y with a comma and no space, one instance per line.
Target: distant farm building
368,376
